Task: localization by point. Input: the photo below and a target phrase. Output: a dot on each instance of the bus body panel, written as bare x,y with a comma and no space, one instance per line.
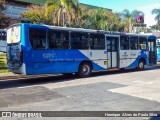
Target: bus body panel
142,54
57,61
98,58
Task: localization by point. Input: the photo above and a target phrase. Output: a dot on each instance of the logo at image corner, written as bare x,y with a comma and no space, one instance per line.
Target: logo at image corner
6,114
140,19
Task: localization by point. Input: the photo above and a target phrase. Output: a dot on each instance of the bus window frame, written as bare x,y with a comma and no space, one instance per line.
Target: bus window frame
46,45
128,42
87,38
145,44
48,39
97,34
138,48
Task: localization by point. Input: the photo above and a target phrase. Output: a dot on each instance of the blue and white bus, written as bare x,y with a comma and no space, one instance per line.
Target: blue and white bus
3,40
43,49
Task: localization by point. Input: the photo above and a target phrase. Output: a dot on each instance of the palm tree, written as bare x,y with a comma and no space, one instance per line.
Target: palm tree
97,19
129,17
157,12
66,9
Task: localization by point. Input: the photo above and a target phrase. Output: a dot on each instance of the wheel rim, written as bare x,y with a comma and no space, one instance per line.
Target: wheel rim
141,65
85,70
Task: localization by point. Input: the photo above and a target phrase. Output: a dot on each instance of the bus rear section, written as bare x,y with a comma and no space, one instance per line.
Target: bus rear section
14,49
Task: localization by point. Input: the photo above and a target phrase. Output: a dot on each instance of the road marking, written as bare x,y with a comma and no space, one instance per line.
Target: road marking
142,82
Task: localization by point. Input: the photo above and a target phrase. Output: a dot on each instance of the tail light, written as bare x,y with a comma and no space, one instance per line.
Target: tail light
21,57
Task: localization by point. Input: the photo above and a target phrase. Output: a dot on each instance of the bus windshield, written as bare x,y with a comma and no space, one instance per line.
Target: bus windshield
13,35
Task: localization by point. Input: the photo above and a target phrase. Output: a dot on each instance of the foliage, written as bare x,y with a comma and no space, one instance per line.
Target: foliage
3,61
36,14
71,13
157,13
67,11
3,19
128,18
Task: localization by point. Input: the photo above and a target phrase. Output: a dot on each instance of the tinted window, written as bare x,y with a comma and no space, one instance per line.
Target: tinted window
134,43
58,39
142,43
124,43
79,40
4,36
97,41
111,43
37,38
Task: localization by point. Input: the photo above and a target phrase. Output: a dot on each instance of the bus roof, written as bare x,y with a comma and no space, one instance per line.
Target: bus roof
87,30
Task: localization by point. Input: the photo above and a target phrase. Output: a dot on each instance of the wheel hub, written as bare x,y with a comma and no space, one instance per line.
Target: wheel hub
85,70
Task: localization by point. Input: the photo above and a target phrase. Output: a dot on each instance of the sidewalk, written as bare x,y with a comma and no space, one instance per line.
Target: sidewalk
9,75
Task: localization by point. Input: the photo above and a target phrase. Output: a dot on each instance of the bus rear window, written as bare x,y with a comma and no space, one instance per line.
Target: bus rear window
13,35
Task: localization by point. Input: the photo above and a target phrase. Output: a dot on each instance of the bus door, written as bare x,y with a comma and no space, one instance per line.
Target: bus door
124,52
152,51
112,43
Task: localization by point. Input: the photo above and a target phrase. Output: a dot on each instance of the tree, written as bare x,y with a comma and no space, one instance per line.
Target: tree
156,11
129,18
97,19
40,14
4,21
68,10
101,19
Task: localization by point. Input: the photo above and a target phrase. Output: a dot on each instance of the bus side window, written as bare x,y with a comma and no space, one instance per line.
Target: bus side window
37,38
124,43
97,41
134,42
79,40
3,36
142,43
58,39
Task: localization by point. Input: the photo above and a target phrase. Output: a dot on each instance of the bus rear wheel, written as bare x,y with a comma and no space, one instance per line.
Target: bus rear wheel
141,65
85,70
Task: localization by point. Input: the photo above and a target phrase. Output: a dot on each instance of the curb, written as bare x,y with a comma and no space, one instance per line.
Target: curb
17,76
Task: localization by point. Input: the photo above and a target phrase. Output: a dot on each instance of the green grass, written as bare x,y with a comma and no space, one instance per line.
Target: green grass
3,71
3,63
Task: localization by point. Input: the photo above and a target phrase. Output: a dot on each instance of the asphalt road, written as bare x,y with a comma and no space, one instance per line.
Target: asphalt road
127,90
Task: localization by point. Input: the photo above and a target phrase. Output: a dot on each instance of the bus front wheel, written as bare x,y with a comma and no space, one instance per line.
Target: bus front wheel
85,70
141,65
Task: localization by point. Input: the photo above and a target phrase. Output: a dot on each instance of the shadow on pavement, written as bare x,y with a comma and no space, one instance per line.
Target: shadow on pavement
22,82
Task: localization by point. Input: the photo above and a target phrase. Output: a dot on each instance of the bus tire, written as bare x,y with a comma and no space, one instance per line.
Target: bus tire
85,70
141,64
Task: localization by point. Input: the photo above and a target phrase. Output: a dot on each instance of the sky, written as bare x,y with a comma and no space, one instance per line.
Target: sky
146,6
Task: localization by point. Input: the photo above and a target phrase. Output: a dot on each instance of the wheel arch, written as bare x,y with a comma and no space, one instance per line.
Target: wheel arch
86,61
142,59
